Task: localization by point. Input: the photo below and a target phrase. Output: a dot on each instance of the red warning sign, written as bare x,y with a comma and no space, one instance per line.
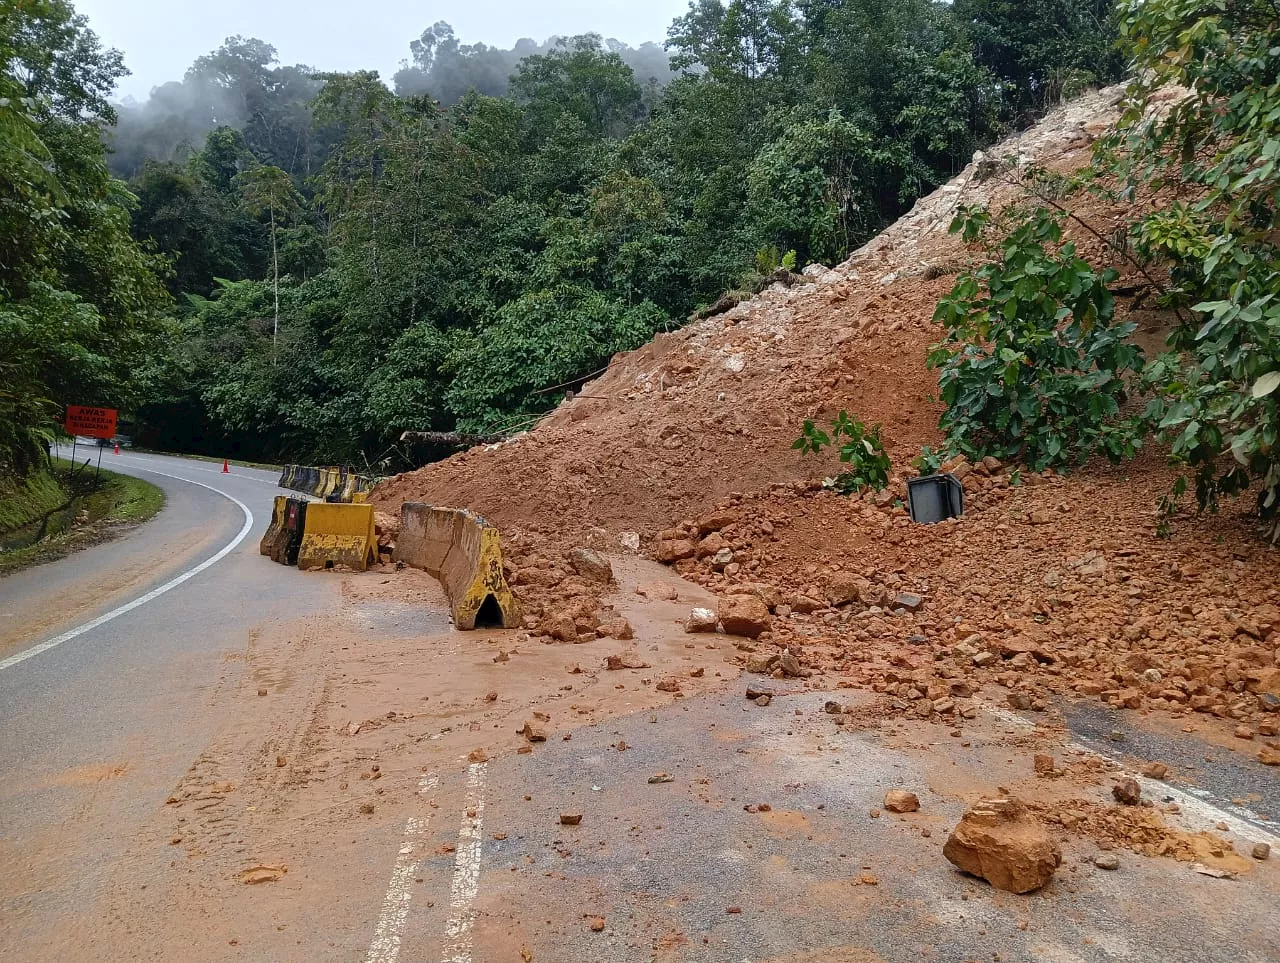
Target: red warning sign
90,422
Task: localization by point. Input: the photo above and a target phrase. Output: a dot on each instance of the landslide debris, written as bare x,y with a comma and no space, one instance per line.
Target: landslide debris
1049,585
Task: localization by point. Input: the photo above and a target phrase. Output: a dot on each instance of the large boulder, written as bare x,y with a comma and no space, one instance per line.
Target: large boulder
1000,841
744,615
591,565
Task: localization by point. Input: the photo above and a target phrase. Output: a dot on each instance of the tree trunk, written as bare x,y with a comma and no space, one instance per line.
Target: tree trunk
275,270
450,438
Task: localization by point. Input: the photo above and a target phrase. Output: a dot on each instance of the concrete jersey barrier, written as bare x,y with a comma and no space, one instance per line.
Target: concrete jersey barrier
330,484
464,552
337,534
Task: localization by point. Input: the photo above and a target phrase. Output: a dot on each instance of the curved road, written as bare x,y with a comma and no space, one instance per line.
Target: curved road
132,694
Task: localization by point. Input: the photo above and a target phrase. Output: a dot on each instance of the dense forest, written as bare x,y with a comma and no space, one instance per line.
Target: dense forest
282,263
320,261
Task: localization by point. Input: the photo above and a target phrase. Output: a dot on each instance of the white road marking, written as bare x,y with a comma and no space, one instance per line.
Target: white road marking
395,907
209,471
466,871
1199,808
155,593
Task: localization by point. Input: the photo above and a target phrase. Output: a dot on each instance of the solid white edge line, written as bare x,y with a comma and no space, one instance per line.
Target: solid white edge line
466,871
154,593
1199,811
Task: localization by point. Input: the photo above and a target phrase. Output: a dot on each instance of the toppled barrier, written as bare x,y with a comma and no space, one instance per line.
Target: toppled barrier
337,534
464,552
328,484
283,536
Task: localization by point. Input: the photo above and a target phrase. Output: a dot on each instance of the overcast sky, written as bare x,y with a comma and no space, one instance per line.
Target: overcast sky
160,38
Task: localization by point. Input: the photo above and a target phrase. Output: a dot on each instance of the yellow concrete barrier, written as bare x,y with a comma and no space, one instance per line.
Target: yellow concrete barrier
337,534
275,532
464,552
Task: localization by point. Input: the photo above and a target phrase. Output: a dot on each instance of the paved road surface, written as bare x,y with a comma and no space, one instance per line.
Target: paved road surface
132,693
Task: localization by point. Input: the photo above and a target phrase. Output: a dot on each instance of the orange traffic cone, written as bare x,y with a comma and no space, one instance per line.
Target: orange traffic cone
117,451
226,469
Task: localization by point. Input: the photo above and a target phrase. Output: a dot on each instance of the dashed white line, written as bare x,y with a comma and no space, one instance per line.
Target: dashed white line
155,593
395,906
466,871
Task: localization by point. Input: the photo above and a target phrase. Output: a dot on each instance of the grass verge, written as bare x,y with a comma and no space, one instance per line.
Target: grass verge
117,505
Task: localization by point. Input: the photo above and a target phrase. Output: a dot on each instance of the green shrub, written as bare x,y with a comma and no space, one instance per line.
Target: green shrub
1034,366
862,450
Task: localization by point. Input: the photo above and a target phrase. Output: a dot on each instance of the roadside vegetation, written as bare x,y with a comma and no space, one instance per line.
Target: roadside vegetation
57,510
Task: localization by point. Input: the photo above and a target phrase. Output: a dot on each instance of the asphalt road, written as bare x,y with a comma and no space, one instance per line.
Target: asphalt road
131,696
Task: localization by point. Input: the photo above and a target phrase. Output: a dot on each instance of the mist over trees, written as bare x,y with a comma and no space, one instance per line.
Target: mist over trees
347,259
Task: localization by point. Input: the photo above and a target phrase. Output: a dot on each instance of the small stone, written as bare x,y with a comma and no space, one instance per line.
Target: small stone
660,777
1127,792
668,685
627,660
281,762
1107,861
262,692
701,620
674,550
1243,732
1155,770
763,700
366,809
984,659
618,628
900,801
477,755
597,924
1261,851
908,601
570,819
491,697
744,615
790,665
533,732
591,565
1044,764
755,690
1268,756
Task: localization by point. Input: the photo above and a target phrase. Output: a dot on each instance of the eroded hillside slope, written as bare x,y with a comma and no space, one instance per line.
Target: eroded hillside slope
1047,584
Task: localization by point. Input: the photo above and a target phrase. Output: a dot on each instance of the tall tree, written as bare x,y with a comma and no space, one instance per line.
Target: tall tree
79,298
268,190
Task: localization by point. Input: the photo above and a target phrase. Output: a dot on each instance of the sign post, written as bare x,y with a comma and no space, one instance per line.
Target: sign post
92,423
